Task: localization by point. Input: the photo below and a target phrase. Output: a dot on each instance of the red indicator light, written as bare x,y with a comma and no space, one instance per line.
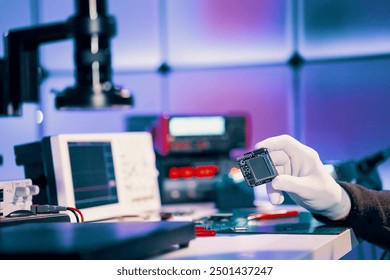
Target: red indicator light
187,172
174,173
206,171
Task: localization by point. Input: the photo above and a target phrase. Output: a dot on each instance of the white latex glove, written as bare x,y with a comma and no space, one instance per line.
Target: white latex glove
303,176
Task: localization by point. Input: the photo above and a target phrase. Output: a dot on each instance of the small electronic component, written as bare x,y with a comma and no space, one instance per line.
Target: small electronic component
257,167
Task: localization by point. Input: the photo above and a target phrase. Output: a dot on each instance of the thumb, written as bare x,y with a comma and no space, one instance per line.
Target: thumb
274,196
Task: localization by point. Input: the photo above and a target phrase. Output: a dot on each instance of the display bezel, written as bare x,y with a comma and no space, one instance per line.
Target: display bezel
63,174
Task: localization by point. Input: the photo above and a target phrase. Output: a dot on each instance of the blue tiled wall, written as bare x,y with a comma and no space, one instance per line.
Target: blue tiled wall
225,33
339,29
228,56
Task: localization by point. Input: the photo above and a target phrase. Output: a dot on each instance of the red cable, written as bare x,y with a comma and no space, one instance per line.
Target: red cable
79,212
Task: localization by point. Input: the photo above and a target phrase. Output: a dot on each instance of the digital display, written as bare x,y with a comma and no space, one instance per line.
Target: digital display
93,176
197,126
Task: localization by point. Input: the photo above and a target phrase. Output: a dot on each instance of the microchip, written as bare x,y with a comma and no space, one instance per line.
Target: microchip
257,167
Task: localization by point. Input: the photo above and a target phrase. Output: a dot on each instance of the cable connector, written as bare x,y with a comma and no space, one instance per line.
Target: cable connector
47,209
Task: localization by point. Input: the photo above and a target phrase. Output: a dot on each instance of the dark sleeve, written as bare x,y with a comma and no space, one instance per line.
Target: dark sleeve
369,216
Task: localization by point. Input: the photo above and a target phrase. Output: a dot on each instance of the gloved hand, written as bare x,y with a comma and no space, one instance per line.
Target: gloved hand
303,176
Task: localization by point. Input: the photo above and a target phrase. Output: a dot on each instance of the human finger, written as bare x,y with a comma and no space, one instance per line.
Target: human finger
280,143
275,196
281,162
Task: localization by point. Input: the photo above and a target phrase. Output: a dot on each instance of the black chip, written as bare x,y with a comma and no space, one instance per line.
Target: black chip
257,167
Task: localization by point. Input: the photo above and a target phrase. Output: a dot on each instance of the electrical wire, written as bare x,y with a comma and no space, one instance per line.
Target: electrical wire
54,209
74,213
78,212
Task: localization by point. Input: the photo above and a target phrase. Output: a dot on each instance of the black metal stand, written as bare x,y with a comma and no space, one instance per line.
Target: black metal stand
91,29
